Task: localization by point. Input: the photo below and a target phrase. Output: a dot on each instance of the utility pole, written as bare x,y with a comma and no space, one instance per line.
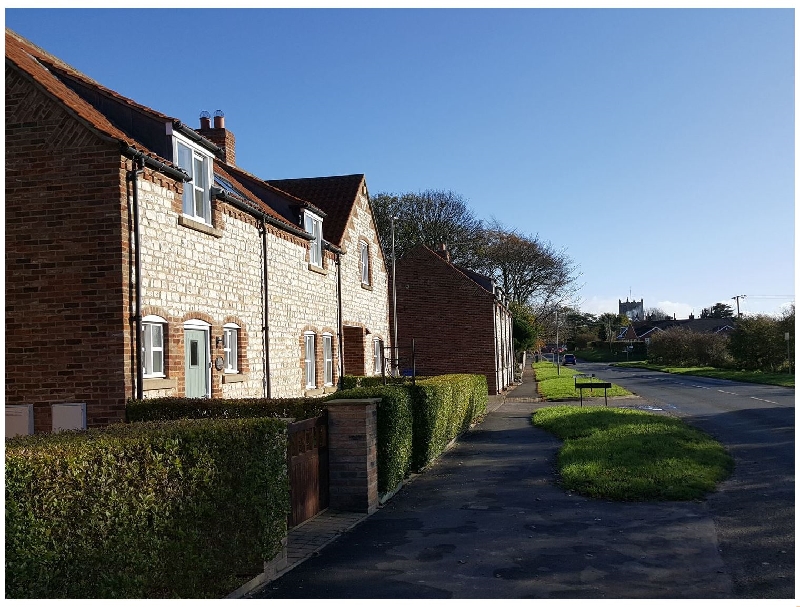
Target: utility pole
558,354
736,297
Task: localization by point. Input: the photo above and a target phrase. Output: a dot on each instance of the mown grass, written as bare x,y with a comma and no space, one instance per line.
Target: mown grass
755,377
627,455
551,386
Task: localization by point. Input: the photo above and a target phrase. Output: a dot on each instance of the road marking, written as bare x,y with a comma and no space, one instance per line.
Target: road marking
732,393
764,400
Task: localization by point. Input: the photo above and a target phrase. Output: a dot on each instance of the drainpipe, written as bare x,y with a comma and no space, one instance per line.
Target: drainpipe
137,317
339,302
265,328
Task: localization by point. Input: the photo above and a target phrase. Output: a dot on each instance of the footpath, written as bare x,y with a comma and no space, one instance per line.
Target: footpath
488,520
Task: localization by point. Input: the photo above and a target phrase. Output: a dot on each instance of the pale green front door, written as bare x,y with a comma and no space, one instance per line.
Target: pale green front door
196,363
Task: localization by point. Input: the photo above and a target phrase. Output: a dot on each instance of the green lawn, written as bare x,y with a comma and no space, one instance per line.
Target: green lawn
551,386
755,377
628,455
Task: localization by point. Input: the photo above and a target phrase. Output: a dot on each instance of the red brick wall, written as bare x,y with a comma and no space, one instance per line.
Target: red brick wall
67,333
447,314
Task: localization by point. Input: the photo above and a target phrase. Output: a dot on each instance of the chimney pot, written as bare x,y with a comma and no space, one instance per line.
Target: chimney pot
219,119
205,120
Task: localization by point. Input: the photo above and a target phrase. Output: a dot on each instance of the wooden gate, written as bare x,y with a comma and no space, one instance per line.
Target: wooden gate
307,459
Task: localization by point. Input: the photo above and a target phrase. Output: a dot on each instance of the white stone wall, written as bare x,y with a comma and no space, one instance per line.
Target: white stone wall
300,299
187,273
367,308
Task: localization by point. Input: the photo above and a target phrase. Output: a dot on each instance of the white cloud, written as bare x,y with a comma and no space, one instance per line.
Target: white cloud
599,305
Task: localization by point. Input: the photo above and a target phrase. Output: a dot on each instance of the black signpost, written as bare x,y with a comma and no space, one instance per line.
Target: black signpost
591,384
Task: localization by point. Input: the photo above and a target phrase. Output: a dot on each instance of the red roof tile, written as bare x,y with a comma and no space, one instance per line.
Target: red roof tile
335,195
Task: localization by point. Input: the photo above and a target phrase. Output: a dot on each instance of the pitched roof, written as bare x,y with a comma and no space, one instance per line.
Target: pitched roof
334,195
114,116
482,283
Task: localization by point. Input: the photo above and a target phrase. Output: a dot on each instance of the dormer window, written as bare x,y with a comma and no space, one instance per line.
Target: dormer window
197,163
313,225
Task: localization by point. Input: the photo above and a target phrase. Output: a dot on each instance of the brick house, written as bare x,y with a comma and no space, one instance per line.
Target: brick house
458,319
141,261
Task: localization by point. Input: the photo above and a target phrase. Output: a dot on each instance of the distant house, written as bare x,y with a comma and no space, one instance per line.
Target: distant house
644,331
458,320
142,261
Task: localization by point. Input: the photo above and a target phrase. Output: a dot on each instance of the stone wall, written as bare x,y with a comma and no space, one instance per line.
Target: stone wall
364,306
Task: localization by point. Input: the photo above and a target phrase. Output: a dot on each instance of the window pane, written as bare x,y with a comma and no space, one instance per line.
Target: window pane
194,353
158,361
327,347
310,371
185,162
147,348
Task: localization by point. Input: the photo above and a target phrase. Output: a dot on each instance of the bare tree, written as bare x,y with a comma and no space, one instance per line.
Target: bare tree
530,271
431,218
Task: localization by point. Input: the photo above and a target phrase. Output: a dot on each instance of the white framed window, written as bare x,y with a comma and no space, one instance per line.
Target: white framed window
327,357
313,225
197,163
377,356
153,346
309,340
230,345
364,262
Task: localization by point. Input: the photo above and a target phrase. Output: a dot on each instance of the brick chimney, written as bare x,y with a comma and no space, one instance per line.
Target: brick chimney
219,135
443,252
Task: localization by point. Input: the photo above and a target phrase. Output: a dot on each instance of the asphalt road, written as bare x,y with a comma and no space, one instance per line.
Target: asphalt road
753,511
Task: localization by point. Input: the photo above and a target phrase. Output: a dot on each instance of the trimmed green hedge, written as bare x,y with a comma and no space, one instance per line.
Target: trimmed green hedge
166,408
394,432
444,407
181,509
372,381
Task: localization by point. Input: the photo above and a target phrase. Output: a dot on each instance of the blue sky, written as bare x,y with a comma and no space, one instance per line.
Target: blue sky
655,146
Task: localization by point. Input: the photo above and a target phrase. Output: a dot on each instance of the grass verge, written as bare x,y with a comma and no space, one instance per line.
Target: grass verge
552,386
753,377
627,455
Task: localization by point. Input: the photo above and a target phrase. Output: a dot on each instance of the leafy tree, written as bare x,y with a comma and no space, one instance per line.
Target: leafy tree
525,329
681,346
609,325
431,218
718,310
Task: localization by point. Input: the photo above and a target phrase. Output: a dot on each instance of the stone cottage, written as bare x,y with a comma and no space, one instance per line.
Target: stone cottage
142,261
459,320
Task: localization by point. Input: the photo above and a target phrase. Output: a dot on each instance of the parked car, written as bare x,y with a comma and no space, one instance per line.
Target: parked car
569,359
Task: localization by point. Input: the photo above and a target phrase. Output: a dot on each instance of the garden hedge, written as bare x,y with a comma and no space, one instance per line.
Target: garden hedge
394,432
444,407
189,508
166,408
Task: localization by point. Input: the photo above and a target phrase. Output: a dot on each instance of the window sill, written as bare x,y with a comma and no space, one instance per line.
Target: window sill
314,392
366,286
199,226
159,383
234,378
318,269
329,389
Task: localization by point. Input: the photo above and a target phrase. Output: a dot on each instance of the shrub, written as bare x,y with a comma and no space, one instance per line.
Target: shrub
680,346
394,432
190,508
167,408
372,381
444,407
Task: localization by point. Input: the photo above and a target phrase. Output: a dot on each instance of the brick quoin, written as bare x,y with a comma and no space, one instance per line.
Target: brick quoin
448,315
